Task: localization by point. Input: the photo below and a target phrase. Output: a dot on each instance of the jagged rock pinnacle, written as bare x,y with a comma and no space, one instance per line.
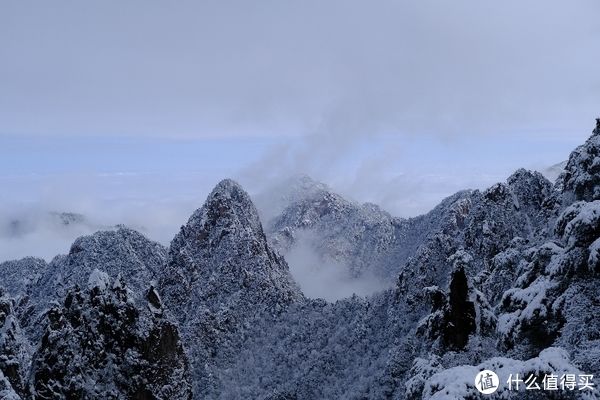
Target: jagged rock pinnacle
596,131
222,255
220,273
226,206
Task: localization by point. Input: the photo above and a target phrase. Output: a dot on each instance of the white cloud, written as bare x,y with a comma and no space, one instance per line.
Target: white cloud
327,279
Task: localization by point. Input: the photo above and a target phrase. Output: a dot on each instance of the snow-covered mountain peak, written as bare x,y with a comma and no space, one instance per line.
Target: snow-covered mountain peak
227,207
121,251
222,255
221,272
304,185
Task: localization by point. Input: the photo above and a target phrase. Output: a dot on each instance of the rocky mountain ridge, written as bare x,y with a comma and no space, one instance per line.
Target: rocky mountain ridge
505,278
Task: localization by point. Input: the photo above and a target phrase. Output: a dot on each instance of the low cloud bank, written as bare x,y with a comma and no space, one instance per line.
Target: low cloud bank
327,279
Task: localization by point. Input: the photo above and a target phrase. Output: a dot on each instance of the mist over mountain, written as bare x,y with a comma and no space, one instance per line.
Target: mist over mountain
503,279
553,172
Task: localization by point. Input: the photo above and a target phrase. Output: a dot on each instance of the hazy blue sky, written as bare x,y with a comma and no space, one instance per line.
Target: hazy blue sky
150,103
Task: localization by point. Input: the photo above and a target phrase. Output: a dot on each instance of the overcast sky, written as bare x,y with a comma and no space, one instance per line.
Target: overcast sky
347,67
396,102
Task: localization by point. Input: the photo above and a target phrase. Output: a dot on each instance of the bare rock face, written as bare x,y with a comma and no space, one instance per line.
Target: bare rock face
460,313
100,344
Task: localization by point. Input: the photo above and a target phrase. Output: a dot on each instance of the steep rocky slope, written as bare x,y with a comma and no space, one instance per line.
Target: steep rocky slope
121,252
15,351
100,344
540,273
365,348
220,274
19,276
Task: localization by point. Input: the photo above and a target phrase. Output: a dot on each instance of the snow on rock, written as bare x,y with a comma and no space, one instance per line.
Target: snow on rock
581,178
579,224
220,273
421,371
221,258
505,216
551,301
530,303
457,313
15,352
507,275
100,344
361,239
6,390
18,276
458,383
594,258
530,189
122,252
341,233
98,279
